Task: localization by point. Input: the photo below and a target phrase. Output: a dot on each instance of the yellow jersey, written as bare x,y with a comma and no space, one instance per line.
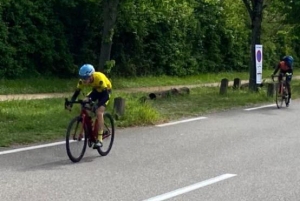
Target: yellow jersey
99,82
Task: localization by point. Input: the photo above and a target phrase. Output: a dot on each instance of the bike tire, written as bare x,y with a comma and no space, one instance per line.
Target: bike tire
278,97
109,127
75,122
285,96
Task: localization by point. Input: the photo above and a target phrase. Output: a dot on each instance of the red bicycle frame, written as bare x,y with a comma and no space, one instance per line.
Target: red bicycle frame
87,122
282,84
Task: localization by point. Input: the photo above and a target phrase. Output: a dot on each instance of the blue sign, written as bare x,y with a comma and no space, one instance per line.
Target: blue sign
258,56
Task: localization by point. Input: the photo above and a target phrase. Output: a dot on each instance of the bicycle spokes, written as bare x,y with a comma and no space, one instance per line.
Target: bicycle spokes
75,140
78,137
279,96
108,135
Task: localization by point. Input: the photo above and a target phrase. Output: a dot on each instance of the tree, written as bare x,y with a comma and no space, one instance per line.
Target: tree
255,10
109,17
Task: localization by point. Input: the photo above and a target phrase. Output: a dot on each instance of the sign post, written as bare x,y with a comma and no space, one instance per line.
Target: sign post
259,60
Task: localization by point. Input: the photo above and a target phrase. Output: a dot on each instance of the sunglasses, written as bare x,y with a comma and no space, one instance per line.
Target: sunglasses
85,78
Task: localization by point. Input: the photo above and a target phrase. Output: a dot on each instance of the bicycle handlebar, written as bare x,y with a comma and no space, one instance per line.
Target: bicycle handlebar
82,102
280,74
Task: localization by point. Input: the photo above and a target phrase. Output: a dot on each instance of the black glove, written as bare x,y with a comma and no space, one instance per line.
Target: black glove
272,76
68,104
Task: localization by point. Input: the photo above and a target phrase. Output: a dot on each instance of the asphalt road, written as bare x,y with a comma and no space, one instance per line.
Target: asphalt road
235,155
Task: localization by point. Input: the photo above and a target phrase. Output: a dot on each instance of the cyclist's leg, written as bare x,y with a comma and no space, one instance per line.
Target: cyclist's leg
288,85
279,82
103,99
93,96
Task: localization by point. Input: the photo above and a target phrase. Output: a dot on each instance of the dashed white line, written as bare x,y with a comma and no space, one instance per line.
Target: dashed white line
31,148
182,121
160,125
264,106
190,188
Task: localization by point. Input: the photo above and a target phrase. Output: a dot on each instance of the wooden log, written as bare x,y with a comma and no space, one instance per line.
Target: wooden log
119,106
224,86
184,90
236,83
163,94
271,89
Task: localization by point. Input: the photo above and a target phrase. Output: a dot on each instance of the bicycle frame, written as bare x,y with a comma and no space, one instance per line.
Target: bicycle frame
89,128
88,123
282,83
92,127
281,90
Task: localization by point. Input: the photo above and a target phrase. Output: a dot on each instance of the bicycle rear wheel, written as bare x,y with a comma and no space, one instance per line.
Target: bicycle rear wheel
76,141
278,96
108,135
286,96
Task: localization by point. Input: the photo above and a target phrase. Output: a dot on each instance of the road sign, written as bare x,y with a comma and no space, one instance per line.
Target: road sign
259,60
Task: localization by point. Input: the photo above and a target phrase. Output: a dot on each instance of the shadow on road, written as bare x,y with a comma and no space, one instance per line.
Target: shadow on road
58,164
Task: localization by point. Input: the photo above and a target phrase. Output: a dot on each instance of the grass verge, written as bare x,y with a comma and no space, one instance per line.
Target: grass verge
29,121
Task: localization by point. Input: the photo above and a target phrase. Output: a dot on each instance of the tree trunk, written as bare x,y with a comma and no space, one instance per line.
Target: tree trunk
255,39
255,9
109,16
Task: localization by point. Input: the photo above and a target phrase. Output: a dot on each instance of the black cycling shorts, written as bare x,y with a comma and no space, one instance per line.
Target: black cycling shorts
102,98
288,76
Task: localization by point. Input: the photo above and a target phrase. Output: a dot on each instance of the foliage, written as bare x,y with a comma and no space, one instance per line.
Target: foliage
157,37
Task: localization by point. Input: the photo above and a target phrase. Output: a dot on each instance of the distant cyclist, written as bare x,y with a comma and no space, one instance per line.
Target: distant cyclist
101,88
286,68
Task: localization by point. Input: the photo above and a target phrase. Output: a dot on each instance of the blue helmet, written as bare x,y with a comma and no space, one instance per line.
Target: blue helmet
288,59
86,71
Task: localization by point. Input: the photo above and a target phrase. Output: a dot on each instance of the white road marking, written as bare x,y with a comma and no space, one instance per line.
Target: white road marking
191,187
31,148
182,121
264,106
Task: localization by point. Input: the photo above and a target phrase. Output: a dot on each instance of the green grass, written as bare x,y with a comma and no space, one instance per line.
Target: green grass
33,121
23,122
30,121
55,85
37,85
206,100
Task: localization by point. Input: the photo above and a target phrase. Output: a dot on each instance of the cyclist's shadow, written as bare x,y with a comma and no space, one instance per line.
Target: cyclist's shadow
59,164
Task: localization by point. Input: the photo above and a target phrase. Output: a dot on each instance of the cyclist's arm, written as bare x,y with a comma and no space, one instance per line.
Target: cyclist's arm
77,91
277,69
76,94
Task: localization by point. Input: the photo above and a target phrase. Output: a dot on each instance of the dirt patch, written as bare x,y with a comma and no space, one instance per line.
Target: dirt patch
32,96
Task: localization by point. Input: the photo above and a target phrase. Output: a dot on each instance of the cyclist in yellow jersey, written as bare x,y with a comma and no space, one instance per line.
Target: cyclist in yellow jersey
101,89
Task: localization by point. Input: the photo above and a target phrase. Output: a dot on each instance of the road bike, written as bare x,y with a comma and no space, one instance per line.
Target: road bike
281,91
83,131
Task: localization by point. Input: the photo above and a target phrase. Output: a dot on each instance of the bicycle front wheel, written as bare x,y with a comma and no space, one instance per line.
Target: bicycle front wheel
278,96
76,140
286,96
108,135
